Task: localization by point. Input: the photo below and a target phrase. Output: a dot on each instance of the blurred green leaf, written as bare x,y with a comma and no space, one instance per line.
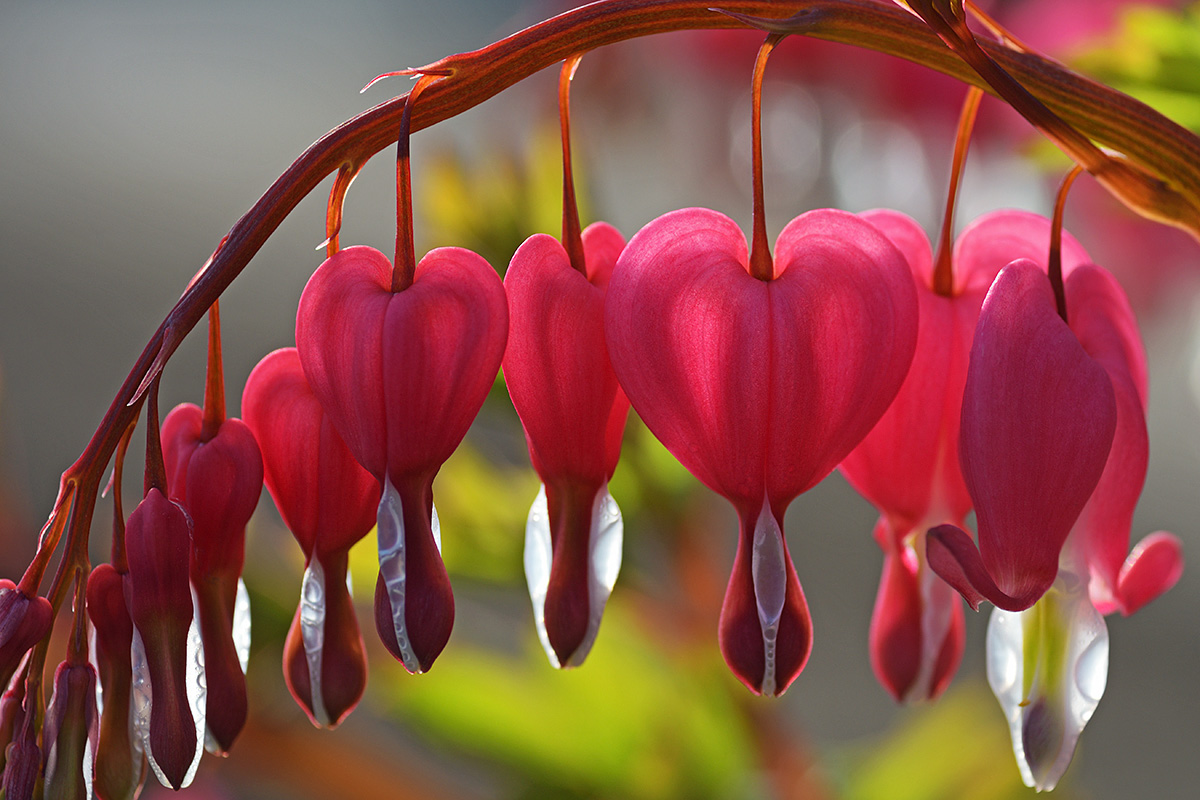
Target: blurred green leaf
1153,55
636,721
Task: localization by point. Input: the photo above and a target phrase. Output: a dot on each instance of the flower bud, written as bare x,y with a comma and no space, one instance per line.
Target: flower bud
218,481
23,621
12,716
23,763
120,766
70,732
157,542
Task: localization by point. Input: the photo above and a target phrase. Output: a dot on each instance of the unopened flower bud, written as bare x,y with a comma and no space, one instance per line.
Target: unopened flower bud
70,732
23,764
23,621
120,765
157,543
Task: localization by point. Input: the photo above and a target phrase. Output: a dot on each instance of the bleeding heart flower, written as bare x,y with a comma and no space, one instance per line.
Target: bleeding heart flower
217,476
328,501
907,467
166,683
1048,665
401,376
761,387
563,387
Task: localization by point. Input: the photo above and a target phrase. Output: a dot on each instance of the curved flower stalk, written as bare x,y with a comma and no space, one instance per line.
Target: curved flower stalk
760,387
328,502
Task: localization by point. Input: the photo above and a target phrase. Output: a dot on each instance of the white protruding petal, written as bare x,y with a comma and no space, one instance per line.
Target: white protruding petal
141,699
1058,703
768,567
312,633
538,556
241,625
605,543
390,521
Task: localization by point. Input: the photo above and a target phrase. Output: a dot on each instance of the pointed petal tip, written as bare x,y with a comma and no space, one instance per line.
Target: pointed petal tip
765,632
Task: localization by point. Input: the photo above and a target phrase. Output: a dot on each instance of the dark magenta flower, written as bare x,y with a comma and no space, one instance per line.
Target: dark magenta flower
562,384
328,502
120,763
760,387
70,732
24,620
166,675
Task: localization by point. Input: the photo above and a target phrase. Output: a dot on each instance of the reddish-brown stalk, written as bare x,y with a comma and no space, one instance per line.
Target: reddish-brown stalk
761,264
214,379
404,268
333,209
156,469
1113,119
572,236
120,564
77,648
1054,263
943,266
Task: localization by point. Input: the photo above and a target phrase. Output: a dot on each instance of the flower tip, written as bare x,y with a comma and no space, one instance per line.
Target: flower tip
416,646
1154,566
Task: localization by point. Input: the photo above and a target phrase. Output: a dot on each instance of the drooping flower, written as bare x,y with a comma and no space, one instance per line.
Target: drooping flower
402,375
71,731
217,475
120,764
907,467
1048,663
24,620
166,681
760,387
562,384
328,502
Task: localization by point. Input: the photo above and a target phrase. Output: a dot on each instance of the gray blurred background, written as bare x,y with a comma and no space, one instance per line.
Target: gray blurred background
133,134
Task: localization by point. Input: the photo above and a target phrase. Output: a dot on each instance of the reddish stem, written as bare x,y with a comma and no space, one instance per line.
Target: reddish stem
333,209
77,649
1054,266
405,267
761,265
943,270
214,379
572,236
119,562
156,470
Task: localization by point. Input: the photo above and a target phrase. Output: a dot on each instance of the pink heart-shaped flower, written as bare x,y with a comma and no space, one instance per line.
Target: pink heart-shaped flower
402,376
761,387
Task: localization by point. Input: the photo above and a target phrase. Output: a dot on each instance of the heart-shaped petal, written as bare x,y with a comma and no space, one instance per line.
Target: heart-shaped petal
402,375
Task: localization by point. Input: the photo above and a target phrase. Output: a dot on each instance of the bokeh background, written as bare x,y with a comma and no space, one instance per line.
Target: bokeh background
134,133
